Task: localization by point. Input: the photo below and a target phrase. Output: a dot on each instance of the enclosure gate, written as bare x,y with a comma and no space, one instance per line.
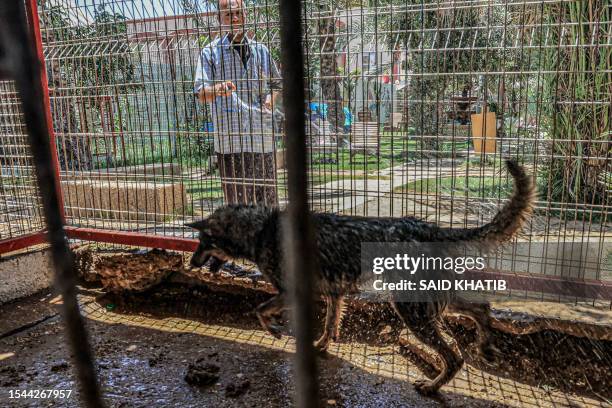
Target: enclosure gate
30,230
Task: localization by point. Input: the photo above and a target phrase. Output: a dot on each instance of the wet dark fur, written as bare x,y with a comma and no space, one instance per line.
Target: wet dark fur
254,233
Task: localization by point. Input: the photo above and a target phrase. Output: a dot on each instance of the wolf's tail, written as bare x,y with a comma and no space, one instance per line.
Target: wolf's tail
508,221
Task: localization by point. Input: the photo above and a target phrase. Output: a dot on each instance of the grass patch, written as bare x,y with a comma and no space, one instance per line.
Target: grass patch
452,145
392,151
323,178
187,151
486,187
204,189
485,160
343,161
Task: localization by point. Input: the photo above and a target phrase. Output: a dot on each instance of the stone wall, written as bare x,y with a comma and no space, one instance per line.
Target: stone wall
24,274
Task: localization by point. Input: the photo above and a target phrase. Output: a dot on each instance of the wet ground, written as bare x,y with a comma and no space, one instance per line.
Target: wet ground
188,348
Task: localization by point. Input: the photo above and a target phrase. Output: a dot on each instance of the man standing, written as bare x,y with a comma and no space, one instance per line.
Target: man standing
238,78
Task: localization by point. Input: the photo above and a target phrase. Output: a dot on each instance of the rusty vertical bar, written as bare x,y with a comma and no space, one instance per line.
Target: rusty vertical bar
19,56
298,231
36,35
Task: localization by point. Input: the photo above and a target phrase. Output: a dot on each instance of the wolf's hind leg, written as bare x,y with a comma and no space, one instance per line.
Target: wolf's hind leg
480,313
429,333
333,316
420,354
423,322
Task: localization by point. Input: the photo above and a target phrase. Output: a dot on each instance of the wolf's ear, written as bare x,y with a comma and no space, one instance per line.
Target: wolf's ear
198,225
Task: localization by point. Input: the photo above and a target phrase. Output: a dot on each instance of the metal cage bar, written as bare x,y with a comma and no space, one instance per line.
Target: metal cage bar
299,241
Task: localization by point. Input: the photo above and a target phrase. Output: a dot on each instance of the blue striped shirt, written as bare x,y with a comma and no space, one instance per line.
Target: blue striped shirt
240,122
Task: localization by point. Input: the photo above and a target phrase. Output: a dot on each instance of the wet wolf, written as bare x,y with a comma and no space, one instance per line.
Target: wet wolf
253,233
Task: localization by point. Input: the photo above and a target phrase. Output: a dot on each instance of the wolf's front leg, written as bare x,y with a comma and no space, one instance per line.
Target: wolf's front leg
267,310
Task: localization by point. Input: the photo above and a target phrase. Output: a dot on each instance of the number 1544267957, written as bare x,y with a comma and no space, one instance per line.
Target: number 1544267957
39,394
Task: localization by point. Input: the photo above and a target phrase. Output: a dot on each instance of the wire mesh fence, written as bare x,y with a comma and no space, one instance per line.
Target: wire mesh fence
411,108
20,206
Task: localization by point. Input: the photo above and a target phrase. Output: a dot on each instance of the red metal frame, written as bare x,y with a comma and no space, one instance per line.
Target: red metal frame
36,36
587,288
25,241
132,238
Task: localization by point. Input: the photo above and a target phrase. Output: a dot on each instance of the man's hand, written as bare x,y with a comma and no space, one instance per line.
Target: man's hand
209,93
224,89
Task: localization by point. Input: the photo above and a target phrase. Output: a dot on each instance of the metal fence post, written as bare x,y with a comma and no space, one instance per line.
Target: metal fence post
300,246
21,61
36,35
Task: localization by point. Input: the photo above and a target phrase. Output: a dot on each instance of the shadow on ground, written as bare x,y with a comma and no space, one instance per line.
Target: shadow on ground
144,344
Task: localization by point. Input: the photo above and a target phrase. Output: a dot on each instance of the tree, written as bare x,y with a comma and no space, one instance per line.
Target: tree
328,62
74,152
444,49
99,76
579,112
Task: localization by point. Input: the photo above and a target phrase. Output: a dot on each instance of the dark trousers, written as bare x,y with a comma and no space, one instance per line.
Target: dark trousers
248,178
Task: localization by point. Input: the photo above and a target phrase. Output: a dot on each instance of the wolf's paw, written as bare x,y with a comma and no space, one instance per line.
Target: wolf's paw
425,387
321,345
272,328
275,330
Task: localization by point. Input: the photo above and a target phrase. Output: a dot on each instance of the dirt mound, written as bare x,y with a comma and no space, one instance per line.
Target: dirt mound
202,374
